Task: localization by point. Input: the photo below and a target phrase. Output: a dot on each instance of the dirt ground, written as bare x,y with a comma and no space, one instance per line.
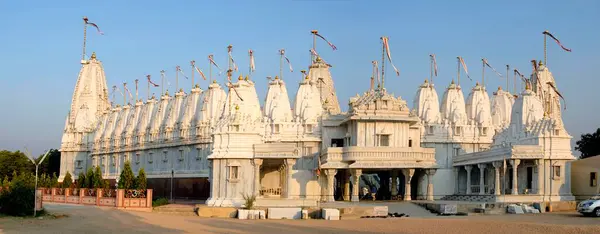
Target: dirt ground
88,219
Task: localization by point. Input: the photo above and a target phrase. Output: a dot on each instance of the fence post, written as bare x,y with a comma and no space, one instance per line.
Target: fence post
98,196
119,197
81,194
149,198
67,194
39,195
53,193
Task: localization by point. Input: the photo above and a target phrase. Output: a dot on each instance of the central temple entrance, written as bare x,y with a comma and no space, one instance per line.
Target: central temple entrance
379,185
272,178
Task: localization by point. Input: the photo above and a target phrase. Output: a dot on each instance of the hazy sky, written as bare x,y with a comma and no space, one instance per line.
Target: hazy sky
40,48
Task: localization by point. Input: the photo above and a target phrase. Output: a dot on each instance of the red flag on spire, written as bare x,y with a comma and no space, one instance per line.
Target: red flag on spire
557,41
329,43
85,19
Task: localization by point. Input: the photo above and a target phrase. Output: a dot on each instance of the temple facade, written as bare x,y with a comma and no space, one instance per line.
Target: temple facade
221,144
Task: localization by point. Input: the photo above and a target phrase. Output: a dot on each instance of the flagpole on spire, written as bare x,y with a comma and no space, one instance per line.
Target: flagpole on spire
162,82
84,38
507,87
192,63
314,33
458,70
148,93
483,72
124,94
545,53
229,71
430,69
136,90
177,78
281,52
382,63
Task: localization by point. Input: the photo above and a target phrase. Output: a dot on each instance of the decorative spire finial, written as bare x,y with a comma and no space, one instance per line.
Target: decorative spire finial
93,55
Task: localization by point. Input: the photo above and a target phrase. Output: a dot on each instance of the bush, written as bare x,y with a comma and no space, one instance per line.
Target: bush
5,182
67,181
89,178
97,181
18,199
126,179
161,201
81,181
249,201
140,180
54,181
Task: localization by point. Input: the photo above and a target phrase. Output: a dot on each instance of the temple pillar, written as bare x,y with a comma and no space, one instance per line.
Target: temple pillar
394,183
257,163
356,173
430,173
346,185
515,186
481,178
289,163
456,180
408,174
468,168
330,184
497,187
540,176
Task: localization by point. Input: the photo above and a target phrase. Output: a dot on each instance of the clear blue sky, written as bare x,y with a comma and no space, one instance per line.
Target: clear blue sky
40,48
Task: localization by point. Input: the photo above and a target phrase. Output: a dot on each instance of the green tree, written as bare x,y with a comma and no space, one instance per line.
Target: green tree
54,181
51,164
18,200
90,178
67,181
14,162
589,144
126,179
81,181
5,182
98,182
140,180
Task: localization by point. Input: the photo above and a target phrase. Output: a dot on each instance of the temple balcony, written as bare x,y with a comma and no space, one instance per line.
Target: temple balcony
379,154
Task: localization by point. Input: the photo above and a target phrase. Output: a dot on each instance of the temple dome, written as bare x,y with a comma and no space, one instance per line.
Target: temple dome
527,110
426,103
319,74
478,106
277,104
501,108
307,106
210,105
453,105
243,94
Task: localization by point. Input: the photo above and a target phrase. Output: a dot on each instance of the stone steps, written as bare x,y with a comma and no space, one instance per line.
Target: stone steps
176,209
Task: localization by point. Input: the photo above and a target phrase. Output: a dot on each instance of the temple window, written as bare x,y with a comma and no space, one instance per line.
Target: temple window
593,179
276,128
181,156
199,155
137,158
150,157
78,164
308,151
410,143
337,142
430,130
234,172
556,132
382,140
308,128
165,158
484,131
555,172
457,131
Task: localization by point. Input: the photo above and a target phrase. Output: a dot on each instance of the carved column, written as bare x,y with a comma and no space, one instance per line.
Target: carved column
394,182
456,180
468,168
515,186
356,184
289,164
430,173
481,178
257,163
408,174
497,186
346,185
330,183
540,175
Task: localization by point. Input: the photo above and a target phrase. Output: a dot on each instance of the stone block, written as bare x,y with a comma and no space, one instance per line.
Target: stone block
251,214
331,214
514,209
448,209
284,213
304,214
380,211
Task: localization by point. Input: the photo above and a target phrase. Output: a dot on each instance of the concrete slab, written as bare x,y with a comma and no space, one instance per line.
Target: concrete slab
331,214
251,214
284,213
514,209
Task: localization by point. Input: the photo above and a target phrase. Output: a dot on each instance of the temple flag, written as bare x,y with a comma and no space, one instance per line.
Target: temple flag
487,64
376,66
462,62
282,52
85,19
180,71
200,72
389,54
434,63
252,66
558,93
232,61
521,75
150,81
127,90
329,43
557,41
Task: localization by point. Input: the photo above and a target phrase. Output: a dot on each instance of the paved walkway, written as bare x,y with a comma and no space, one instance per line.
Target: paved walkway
399,207
89,219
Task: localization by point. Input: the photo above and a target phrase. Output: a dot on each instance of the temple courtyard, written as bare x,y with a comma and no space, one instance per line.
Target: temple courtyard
87,219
